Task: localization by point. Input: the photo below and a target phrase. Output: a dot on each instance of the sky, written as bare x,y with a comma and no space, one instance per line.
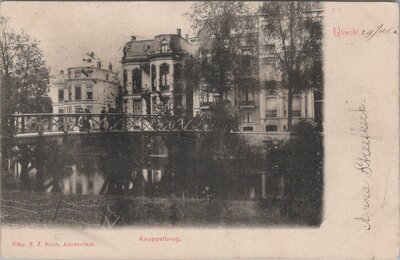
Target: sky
68,30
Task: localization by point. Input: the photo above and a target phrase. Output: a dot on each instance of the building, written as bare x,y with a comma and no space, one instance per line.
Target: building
152,75
260,109
306,105
84,88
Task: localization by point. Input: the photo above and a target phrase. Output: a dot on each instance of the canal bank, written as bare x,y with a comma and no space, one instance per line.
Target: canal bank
89,211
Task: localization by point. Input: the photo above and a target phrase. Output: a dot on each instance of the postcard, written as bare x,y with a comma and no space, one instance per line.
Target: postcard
199,130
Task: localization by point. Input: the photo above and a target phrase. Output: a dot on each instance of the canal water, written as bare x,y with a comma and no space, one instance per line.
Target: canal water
148,168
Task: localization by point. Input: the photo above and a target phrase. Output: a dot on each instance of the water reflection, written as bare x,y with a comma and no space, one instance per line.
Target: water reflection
149,168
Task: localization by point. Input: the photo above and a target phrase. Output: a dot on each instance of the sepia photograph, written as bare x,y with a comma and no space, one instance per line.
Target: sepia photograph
199,130
218,124
212,116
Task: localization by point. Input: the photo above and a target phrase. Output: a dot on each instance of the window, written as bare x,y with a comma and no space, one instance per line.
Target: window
153,77
78,74
60,95
247,117
177,78
124,78
269,61
137,107
248,128
272,107
154,105
178,100
69,94
106,75
165,106
78,109
270,49
246,51
246,62
89,92
164,70
69,74
206,99
305,106
60,110
247,98
205,57
164,45
78,95
271,128
296,107
271,85
226,43
137,80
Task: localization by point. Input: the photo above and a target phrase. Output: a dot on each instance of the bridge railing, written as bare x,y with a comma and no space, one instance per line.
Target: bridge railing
86,122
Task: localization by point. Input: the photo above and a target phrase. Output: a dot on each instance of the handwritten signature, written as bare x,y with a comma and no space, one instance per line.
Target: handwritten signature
362,163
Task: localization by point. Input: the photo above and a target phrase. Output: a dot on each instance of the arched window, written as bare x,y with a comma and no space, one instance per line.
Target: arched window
137,80
164,45
153,77
177,78
164,70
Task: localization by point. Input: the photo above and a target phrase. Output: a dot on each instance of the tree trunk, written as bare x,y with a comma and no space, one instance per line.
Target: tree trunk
290,103
24,173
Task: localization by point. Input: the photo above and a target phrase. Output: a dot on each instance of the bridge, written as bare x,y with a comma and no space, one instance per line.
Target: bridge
33,125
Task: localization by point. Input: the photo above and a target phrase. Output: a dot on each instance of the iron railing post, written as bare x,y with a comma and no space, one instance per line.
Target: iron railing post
65,124
124,124
22,124
40,125
182,123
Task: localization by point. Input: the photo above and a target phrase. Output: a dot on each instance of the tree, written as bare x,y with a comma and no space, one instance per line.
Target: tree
223,29
300,161
24,74
295,35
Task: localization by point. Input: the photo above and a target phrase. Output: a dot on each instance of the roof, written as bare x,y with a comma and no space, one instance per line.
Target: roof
144,48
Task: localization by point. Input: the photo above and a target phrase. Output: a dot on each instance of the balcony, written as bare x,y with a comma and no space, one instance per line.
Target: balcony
246,103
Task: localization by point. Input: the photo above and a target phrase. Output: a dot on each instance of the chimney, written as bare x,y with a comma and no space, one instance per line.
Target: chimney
178,32
133,38
110,67
187,37
99,64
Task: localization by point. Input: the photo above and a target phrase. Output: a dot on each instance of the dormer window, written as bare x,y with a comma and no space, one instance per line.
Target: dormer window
164,45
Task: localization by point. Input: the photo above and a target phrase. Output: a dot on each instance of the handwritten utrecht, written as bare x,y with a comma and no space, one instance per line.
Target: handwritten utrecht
368,34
